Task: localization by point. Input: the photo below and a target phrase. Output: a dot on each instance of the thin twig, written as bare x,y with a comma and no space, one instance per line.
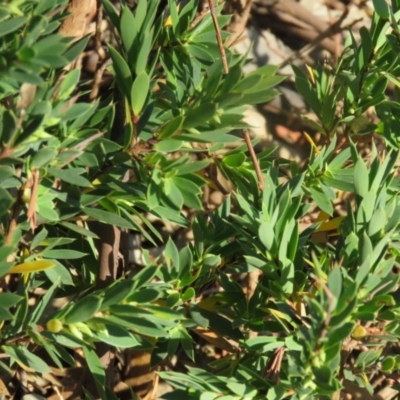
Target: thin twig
199,17
273,367
31,214
219,36
255,160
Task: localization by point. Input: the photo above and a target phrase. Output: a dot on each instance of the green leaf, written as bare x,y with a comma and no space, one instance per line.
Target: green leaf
247,83
188,294
361,178
267,235
388,364
76,48
168,146
6,201
111,12
115,293
51,349
335,282
43,157
172,255
139,92
128,30
11,25
185,262
96,368
144,52
200,52
117,336
187,344
323,202
377,222
234,160
323,375
305,88
191,167
171,127
84,309
139,325
22,355
107,217
43,303
339,334
258,97
5,314
269,82
78,229
145,275
123,74
9,299
147,295
71,175
62,254
141,12
382,8
195,117
174,195
367,358
287,277
59,273
68,84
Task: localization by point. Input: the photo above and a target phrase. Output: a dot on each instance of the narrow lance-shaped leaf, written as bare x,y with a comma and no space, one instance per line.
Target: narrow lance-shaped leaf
123,74
31,266
139,92
83,309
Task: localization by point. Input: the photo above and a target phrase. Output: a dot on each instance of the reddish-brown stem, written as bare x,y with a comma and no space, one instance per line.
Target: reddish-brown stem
219,36
255,160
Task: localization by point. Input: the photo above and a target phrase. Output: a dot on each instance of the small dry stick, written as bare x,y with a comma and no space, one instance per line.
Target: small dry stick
202,14
254,159
31,213
219,37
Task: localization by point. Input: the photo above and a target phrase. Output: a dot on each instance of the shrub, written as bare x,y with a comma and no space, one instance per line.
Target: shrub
76,175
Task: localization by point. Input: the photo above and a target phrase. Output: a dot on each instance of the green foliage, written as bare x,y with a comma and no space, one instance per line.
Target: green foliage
63,169
358,83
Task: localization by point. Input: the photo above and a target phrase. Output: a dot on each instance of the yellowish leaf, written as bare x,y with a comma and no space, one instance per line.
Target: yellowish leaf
330,225
312,143
311,72
3,389
322,216
168,21
31,266
278,314
217,340
24,367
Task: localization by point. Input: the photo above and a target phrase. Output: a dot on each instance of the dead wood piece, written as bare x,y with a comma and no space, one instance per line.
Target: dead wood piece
219,36
254,159
335,4
77,23
298,11
239,19
335,28
307,34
